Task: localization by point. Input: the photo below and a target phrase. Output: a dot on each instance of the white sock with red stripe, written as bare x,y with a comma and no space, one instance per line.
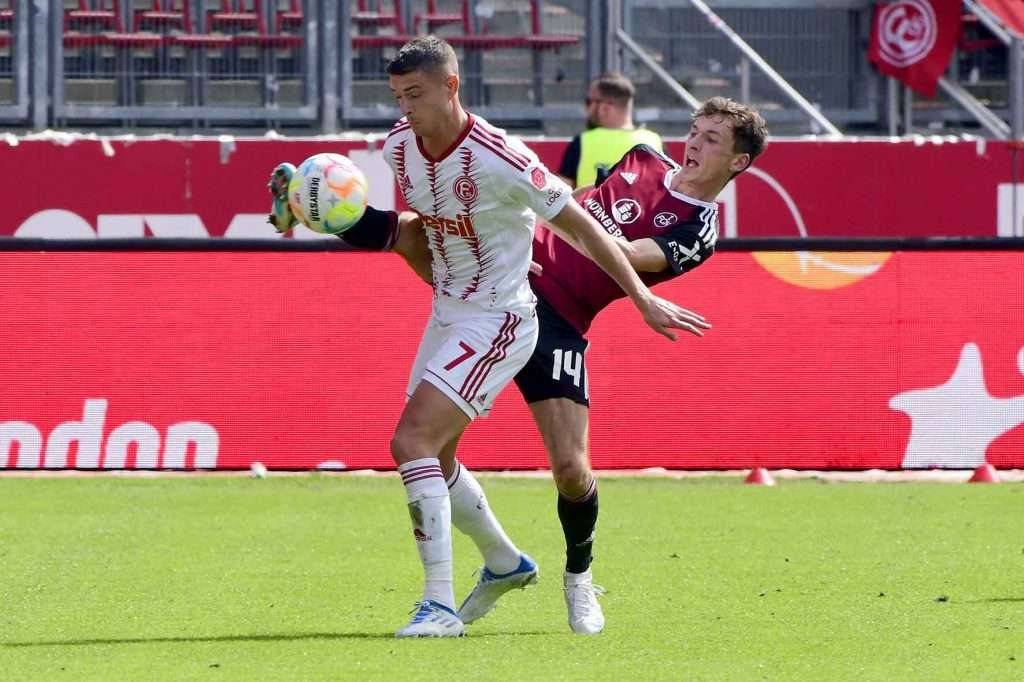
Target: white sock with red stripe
431,513
473,516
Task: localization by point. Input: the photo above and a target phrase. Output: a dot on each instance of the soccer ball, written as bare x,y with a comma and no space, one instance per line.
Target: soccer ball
327,193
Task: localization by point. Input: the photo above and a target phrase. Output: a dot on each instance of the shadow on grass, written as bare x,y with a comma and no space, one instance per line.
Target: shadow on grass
291,637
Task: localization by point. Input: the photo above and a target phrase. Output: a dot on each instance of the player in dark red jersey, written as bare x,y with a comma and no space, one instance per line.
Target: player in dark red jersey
666,220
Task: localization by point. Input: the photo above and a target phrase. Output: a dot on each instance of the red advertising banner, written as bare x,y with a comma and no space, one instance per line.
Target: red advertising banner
208,187
300,360
913,40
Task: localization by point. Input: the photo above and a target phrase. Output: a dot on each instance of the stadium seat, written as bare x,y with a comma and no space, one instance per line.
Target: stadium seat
133,40
77,39
162,14
6,13
236,14
432,18
363,16
290,18
974,36
538,40
6,40
104,14
483,39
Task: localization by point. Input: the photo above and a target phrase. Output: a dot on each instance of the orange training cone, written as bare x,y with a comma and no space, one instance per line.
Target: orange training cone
759,476
986,473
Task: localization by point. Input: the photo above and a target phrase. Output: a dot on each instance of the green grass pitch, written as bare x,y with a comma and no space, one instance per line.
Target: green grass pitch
306,578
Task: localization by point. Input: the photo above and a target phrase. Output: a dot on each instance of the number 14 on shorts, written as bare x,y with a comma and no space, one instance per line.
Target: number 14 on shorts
570,362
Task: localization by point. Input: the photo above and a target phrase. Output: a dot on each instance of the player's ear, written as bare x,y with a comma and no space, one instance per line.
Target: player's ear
740,163
451,82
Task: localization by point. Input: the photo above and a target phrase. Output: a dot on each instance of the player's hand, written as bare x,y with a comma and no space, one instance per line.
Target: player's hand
536,268
663,316
281,216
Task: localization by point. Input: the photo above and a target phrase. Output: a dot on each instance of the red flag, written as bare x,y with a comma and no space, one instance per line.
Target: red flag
913,40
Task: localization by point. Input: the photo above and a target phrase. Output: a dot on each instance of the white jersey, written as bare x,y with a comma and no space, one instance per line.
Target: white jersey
479,202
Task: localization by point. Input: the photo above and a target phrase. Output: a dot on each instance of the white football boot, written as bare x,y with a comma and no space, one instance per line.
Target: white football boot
585,616
432,619
489,587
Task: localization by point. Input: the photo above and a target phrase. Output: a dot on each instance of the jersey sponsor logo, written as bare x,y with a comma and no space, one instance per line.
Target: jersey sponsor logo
664,219
539,178
461,226
681,254
553,195
465,189
630,178
597,210
626,211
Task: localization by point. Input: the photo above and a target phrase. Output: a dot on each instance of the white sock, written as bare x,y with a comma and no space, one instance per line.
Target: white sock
431,513
473,516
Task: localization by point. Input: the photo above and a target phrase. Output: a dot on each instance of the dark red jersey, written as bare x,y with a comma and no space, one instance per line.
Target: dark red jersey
633,202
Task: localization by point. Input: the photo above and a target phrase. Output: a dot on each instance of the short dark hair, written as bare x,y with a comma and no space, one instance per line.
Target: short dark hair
616,88
428,53
749,130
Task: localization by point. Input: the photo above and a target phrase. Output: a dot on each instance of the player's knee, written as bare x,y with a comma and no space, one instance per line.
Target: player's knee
572,475
405,447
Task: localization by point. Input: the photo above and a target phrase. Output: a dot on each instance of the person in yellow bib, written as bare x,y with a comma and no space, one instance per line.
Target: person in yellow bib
610,132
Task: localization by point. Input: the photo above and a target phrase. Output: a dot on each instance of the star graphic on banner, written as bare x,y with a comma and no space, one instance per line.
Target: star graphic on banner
953,424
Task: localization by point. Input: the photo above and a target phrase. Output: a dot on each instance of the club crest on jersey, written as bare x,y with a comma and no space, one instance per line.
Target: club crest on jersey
539,178
626,211
664,219
405,183
465,189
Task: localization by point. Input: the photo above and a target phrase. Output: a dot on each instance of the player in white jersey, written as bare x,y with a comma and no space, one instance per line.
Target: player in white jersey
477,195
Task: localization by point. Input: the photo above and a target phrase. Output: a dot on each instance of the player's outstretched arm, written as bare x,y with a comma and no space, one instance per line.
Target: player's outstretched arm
661,315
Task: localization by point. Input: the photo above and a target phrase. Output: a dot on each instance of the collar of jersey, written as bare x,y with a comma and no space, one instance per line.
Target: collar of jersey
454,145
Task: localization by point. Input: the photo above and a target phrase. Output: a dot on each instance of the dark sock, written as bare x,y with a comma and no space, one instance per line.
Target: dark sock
578,517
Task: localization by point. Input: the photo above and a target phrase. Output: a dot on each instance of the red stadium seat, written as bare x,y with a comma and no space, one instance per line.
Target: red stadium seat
99,13
434,18
290,18
162,14
76,39
971,26
134,40
237,14
483,39
538,40
363,16
5,39
194,39
380,41
211,41
487,41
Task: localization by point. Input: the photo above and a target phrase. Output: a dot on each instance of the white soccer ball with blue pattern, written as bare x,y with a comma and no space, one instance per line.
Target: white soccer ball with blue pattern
328,193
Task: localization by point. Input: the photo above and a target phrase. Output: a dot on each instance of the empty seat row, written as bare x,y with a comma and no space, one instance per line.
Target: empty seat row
471,37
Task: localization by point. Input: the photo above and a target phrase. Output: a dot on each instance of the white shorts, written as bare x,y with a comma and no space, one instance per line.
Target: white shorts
472,357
